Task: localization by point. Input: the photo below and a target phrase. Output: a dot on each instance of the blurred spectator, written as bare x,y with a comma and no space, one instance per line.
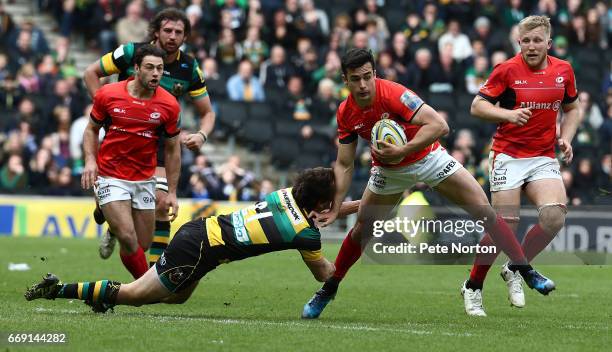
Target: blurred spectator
584,181
132,28
7,25
226,51
40,166
12,175
360,40
492,39
432,26
376,37
243,86
266,187
325,103
313,23
215,83
254,49
445,73
400,55
37,41
282,31
296,103
498,57
419,75
514,13
28,80
342,30
105,16
462,48
235,10
275,71
22,52
384,67
371,7
477,74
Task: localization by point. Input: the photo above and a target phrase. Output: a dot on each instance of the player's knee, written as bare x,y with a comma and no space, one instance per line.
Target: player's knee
552,218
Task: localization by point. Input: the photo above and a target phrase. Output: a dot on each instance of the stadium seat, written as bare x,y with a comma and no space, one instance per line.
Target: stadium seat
317,144
588,57
260,111
256,133
308,160
464,102
284,152
442,101
232,115
288,128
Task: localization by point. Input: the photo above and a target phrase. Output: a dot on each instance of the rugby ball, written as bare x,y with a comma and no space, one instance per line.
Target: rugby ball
389,131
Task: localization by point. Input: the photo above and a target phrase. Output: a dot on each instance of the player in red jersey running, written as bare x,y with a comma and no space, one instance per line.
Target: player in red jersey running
422,160
530,88
134,113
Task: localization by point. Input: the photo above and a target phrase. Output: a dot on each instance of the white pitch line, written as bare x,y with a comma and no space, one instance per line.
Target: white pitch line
298,325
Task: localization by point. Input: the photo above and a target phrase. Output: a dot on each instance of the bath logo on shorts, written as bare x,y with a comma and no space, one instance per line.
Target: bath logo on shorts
103,192
499,177
147,199
378,179
162,260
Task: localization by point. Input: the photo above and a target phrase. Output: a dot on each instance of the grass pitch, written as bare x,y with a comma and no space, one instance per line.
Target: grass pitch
255,305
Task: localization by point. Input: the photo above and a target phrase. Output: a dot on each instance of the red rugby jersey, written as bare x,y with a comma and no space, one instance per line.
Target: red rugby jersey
514,85
392,101
133,127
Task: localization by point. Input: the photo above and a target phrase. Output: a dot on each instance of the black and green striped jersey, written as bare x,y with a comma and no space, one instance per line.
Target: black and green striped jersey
271,225
181,76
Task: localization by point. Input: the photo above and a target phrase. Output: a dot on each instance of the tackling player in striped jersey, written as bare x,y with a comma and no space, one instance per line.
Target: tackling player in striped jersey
280,222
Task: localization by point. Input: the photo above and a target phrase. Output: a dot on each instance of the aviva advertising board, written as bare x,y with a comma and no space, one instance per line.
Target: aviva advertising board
72,217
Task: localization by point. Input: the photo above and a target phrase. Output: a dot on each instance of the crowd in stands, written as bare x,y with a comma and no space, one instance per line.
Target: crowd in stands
273,69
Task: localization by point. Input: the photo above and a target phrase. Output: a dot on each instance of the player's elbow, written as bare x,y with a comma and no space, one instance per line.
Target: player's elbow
442,128
476,107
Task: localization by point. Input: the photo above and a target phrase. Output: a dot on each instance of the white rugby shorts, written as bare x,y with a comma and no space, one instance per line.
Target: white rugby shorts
432,169
506,172
141,193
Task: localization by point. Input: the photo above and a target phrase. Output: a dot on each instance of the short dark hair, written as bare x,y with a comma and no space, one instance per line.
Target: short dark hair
148,50
169,14
356,58
313,187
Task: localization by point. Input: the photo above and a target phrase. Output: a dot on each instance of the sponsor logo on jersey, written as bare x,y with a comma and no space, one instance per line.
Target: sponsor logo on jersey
121,111
296,218
359,126
410,100
520,82
155,115
138,102
177,89
559,79
541,106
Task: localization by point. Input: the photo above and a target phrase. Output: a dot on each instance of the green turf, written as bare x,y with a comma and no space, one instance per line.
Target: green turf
254,305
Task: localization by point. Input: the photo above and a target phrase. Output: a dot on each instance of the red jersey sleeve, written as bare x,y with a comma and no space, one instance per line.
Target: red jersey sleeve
571,92
171,125
495,85
99,112
345,135
404,102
